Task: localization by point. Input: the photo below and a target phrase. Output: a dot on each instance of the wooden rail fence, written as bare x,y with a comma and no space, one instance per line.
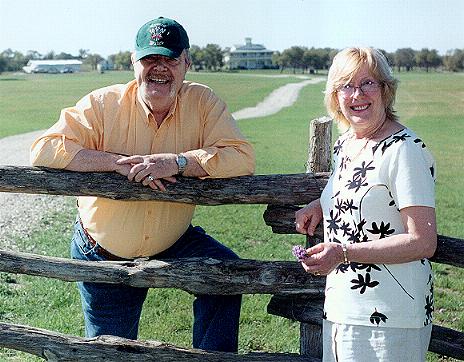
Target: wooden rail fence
296,295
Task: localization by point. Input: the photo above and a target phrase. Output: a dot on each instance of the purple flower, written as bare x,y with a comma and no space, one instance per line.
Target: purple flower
299,252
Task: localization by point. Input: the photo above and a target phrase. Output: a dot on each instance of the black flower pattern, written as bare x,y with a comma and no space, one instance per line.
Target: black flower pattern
356,184
429,308
418,140
338,147
367,267
378,317
340,206
401,137
346,228
362,171
333,222
362,283
384,229
349,206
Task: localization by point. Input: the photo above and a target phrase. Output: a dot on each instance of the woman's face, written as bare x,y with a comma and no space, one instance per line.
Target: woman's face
361,101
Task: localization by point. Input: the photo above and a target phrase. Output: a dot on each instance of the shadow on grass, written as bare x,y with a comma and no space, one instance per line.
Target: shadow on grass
8,79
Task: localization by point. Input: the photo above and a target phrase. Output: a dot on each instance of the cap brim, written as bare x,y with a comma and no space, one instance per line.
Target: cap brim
171,53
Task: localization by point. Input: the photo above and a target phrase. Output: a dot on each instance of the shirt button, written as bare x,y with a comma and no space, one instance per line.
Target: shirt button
146,237
149,212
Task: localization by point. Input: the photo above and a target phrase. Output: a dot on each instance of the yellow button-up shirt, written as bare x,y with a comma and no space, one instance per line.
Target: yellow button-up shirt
115,119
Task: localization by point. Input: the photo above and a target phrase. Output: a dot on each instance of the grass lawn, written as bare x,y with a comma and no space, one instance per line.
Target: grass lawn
431,104
31,102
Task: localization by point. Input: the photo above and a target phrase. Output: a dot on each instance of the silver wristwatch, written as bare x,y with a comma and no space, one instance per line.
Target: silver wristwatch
182,162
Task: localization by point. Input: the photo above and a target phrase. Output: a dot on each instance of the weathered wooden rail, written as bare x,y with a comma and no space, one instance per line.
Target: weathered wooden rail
60,347
263,189
193,275
297,295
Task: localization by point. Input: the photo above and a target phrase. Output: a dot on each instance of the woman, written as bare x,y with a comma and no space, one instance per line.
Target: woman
379,221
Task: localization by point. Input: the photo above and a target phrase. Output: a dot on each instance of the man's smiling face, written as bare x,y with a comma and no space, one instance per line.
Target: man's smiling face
159,79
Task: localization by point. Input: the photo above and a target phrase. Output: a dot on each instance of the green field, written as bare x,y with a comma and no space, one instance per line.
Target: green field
431,104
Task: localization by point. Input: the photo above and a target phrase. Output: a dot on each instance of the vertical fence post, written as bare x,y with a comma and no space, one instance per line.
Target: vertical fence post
319,160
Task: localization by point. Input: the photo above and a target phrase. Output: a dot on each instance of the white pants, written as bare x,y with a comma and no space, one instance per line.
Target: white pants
346,342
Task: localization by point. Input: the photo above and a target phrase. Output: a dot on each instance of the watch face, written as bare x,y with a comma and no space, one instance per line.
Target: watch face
181,161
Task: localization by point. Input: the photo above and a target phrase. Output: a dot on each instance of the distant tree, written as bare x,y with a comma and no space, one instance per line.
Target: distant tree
434,59
315,59
33,54
453,61
14,60
198,58
213,57
2,64
64,56
324,55
122,60
293,57
332,54
405,57
93,60
49,55
308,59
428,59
279,60
83,53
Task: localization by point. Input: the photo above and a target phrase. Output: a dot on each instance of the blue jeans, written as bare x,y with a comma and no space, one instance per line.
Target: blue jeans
115,309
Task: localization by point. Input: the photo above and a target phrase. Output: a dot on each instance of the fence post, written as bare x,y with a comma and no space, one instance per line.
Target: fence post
319,159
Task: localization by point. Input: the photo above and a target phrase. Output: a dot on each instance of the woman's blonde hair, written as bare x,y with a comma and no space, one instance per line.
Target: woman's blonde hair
345,65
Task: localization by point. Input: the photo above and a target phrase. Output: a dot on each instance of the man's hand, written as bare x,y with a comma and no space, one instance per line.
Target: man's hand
123,169
151,169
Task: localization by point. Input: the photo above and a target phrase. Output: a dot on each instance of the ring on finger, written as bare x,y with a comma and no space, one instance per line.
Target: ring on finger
150,178
316,273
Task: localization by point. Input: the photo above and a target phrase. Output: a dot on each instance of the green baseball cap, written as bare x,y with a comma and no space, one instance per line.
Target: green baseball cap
161,36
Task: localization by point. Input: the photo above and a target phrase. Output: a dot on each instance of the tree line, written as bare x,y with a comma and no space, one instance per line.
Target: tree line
211,58
314,59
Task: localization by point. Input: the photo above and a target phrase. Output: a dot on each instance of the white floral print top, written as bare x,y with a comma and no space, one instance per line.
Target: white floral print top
360,203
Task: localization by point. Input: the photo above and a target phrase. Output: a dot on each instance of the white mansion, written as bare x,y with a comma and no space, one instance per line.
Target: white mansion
248,56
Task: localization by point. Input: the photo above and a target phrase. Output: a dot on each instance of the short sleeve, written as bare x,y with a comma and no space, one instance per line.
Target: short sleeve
412,175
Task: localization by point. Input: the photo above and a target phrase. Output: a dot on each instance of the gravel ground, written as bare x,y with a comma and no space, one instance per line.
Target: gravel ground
21,214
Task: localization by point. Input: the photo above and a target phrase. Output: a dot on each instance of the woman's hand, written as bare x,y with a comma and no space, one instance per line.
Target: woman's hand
323,258
307,218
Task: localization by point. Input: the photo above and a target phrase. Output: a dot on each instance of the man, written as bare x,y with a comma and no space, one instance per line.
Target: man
168,127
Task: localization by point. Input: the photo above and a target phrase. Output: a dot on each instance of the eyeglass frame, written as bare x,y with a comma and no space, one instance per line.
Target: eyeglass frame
353,88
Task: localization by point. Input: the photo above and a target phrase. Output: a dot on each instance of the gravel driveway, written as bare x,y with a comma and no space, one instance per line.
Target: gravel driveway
20,214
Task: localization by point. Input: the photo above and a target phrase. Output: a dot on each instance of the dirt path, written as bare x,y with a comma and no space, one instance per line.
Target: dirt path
280,98
20,214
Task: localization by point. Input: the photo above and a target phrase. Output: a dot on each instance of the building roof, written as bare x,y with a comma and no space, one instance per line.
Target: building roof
249,47
54,62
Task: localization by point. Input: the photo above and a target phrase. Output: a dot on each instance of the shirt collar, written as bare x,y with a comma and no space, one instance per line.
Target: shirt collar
145,111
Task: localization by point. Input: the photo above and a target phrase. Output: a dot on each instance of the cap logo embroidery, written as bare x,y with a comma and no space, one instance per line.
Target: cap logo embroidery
157,31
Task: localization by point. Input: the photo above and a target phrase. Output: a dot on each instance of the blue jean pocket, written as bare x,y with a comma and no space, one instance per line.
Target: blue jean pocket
81,248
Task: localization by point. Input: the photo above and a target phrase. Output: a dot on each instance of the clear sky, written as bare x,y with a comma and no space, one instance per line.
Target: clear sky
109,26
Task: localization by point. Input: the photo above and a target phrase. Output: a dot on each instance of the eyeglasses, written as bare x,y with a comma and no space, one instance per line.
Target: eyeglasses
368,87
